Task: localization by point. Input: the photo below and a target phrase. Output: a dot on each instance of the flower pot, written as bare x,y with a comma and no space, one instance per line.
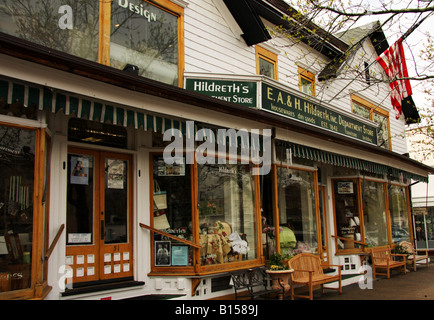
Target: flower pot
280,278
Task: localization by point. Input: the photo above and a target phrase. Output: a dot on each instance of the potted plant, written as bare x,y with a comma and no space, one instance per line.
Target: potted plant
279,272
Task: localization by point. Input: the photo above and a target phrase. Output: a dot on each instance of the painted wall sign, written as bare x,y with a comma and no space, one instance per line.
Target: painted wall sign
240,92
288,105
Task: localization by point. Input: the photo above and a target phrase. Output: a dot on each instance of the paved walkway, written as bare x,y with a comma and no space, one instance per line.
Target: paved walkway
417,285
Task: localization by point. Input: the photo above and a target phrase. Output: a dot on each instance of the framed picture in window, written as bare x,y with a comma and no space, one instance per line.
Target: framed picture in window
179,255
163,253
345,187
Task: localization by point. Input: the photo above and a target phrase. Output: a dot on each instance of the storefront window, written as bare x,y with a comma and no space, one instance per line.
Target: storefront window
144,36
267,216
399,214
227,213
70,26
172,212
17,160
297,211
374,213
347,213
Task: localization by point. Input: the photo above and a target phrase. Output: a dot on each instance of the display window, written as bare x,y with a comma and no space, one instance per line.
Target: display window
298,210
172,212
347,214
361,213
268,212
204,215
20,216
374,213
399,213
227,213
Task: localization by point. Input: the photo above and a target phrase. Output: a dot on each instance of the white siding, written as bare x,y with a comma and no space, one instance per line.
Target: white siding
211,47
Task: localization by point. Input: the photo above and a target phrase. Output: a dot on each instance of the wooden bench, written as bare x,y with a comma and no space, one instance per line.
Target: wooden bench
382,258
252,283
413,257
308,271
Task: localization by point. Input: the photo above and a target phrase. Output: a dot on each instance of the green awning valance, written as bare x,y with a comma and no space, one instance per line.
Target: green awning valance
304,152
82,107
42,98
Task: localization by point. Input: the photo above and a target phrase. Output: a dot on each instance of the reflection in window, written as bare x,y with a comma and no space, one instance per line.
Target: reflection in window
399,214
266,68
347,214
379,116
383,132
80,191
306,82
267,216
297,211
374,213
17,159
172,211
69,26
227,213
266,63
146,37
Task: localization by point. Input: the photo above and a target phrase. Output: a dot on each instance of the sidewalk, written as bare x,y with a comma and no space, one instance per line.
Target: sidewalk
417,285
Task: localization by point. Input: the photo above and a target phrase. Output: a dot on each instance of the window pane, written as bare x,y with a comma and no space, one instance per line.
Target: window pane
306,86
227,213
80,190
347,213
399,214
147,37
266,68
267,213
297,211
383,133
17,160
66,25
361,110
374,213
172,211
116,194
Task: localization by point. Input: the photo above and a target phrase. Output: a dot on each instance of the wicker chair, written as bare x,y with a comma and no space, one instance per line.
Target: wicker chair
413,257
308,271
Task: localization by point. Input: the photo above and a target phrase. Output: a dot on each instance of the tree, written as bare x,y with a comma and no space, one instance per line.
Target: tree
395,18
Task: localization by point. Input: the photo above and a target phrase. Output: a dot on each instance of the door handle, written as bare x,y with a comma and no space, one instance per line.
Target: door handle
102,230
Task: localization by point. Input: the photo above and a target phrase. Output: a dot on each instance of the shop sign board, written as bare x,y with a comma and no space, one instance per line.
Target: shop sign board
288,105
284,103
239,92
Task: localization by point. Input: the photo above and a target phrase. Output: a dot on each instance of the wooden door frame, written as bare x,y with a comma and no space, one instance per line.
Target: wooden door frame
98,247
116,247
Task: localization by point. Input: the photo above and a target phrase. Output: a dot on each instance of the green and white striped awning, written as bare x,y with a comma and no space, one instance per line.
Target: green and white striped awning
304,152
83,107
43,98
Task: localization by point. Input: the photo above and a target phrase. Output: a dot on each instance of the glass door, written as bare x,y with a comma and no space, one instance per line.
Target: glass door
115,217
99,211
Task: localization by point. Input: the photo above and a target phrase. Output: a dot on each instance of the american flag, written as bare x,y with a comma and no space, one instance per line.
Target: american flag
393,62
